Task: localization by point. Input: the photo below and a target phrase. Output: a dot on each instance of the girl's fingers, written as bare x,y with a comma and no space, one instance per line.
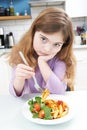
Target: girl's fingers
24,71
25,74
26,67
46,58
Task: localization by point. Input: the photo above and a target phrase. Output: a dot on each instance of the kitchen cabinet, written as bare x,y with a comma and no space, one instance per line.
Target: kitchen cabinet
76,8
37,6
37,3
81,76
81,69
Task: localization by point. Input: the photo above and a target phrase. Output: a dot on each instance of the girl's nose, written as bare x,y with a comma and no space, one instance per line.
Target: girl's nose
47,47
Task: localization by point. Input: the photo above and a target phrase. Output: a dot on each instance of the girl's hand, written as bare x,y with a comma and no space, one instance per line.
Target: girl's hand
44,67
46,57
24,72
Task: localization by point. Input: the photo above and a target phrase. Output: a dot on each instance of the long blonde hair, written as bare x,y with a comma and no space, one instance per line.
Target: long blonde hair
49,21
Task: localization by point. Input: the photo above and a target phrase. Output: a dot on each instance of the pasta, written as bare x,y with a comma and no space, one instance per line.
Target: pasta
45,94
59,108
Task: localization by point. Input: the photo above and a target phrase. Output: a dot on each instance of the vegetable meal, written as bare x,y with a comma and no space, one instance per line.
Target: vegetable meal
47,109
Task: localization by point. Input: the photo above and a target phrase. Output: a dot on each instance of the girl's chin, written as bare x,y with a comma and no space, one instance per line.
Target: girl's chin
39,54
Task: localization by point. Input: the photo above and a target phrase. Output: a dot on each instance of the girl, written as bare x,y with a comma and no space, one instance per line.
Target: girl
48,49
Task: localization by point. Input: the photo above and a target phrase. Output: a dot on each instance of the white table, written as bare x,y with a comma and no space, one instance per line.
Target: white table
11,117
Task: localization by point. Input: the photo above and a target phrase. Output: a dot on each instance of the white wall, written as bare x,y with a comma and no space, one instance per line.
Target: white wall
18,27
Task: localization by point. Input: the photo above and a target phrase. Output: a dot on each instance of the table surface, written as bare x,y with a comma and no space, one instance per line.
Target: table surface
11,117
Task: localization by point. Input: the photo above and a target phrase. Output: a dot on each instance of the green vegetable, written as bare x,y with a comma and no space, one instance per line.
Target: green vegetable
38,100
35,115
30,102
47,113
46,109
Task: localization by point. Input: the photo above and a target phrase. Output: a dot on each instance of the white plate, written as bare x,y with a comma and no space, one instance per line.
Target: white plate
28,115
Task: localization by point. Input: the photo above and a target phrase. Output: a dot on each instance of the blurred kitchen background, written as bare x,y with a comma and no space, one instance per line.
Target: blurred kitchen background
18,26
16,17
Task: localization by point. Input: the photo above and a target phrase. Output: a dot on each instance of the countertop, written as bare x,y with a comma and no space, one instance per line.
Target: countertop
11,117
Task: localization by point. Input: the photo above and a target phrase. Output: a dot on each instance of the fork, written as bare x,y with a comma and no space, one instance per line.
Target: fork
34,78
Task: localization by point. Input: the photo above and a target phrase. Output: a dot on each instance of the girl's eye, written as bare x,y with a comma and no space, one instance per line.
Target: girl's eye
57,45
43,39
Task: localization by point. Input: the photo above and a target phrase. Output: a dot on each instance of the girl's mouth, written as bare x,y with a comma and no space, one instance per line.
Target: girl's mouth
42,54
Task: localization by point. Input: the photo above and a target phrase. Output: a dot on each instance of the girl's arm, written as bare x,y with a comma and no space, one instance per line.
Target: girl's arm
54,79
44,67
21,73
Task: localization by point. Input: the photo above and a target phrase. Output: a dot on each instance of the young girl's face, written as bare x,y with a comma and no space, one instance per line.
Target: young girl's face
47,44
